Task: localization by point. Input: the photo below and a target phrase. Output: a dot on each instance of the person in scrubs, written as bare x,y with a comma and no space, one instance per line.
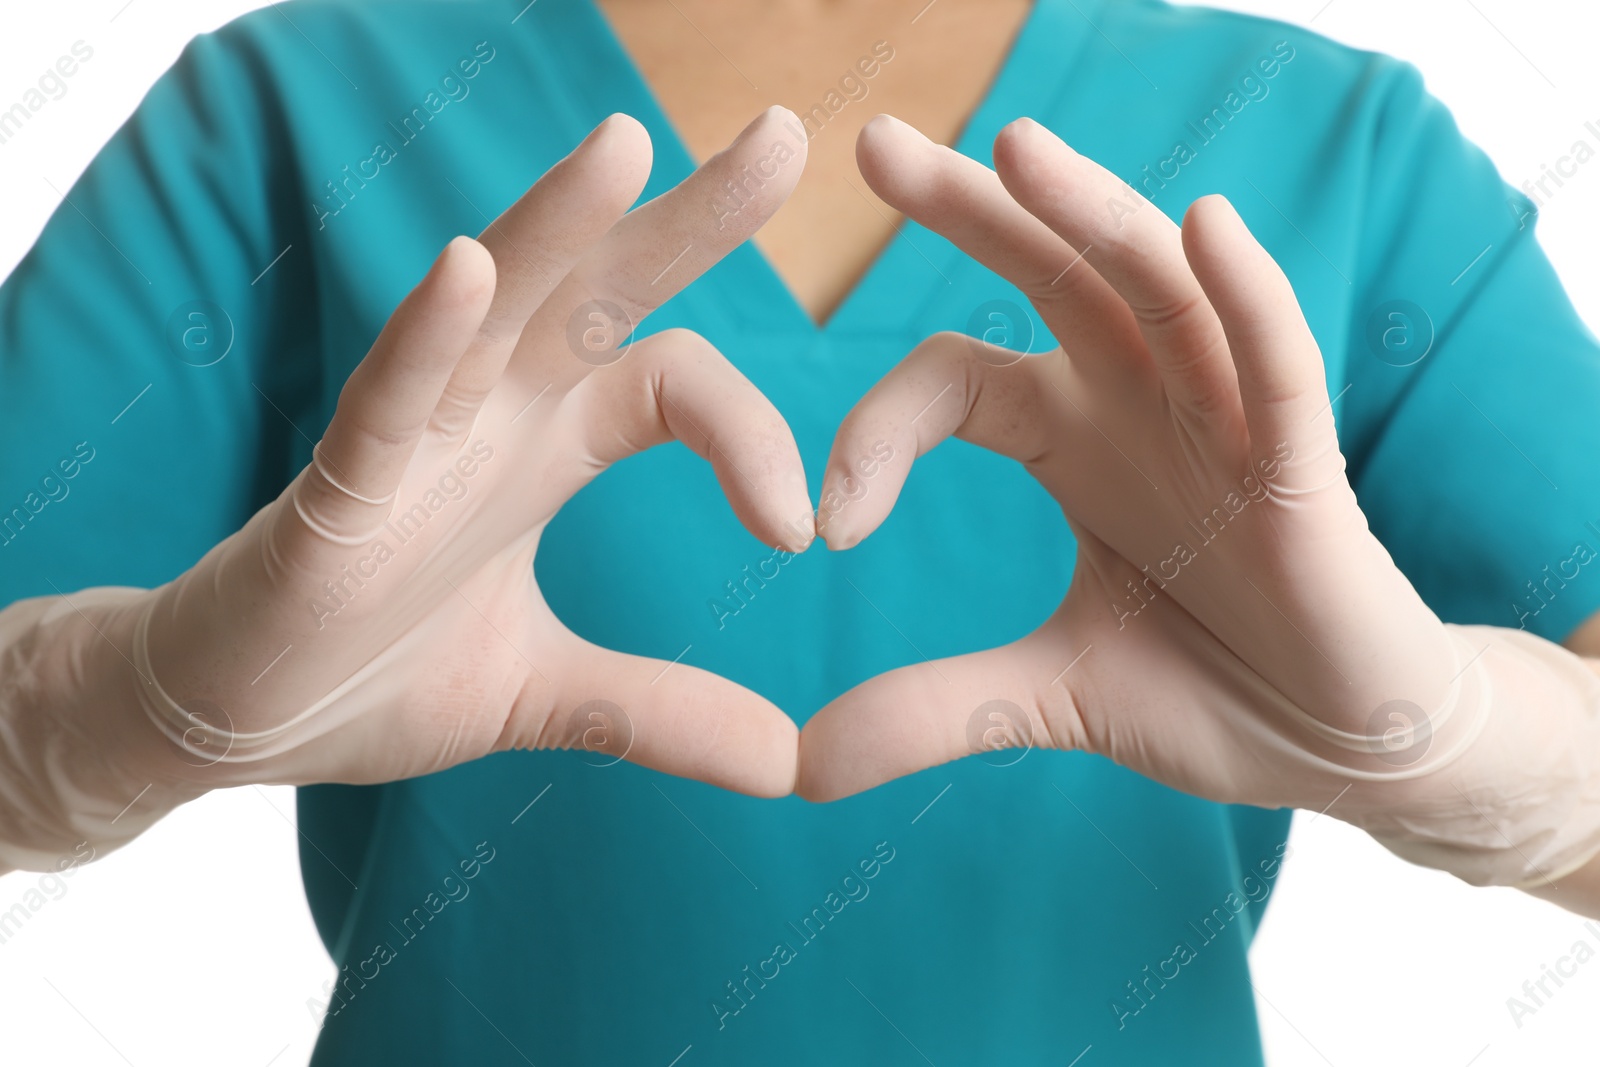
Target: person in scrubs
290,495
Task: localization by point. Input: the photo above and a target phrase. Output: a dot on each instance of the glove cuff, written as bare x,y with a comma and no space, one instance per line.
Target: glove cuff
1521,807
76,777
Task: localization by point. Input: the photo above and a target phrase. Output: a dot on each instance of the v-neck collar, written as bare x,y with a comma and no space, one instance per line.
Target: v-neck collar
915,268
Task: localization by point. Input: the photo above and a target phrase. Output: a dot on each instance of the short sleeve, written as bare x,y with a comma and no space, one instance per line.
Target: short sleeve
1473,403
142,335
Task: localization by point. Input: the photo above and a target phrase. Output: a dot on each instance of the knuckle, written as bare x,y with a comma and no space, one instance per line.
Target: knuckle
1061,720
679,344
1181,310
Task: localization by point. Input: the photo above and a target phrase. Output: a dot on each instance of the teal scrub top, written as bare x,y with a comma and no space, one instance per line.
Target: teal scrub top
185,322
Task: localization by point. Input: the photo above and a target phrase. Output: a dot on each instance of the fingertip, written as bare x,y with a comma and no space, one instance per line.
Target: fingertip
871,144
759,755
1210,205
463,275
770,769
876,128
884,131
839,533
620,150
1030,159
1013,133
1207,218
621,124
835,540
774,507
890,155
1023,135
794,535
1223,252
765,161
779,503
791,531
783,776
778,113
625,139
853,504
879,123
779,121
804,535
812,782
465,253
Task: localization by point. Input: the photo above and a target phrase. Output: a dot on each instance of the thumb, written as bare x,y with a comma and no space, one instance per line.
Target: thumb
919,716
664,715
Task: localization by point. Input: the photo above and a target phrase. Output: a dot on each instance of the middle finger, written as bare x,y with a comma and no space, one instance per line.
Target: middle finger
657,249
1135,248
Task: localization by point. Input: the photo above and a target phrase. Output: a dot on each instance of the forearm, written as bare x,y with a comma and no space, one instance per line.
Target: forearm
1580,890
80,762
1520,805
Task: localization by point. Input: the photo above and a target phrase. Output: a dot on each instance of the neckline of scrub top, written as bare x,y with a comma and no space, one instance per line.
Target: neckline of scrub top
916,266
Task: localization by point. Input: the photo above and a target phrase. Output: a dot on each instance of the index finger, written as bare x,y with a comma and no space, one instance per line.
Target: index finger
963,201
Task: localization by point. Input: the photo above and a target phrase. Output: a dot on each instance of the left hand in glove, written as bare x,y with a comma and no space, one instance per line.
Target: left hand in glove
1233,628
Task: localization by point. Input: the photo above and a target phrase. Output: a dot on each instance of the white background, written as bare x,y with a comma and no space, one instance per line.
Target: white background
194,945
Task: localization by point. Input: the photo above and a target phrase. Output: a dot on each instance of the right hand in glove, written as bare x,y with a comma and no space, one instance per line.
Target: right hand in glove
380,619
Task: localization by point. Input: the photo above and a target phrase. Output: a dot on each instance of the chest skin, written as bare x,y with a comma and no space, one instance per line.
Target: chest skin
836,63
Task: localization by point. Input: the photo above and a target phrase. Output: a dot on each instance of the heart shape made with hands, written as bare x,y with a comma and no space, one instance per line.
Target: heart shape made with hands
1253,665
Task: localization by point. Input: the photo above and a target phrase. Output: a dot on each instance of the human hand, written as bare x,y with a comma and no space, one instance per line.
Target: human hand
1232,628
381,618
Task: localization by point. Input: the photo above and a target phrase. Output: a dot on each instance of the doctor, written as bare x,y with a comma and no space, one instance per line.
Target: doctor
288,561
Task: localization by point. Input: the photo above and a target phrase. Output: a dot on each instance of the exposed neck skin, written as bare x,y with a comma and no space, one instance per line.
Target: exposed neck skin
714,63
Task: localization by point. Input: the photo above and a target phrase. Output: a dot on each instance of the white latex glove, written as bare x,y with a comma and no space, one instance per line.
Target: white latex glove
299,651
1232,629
